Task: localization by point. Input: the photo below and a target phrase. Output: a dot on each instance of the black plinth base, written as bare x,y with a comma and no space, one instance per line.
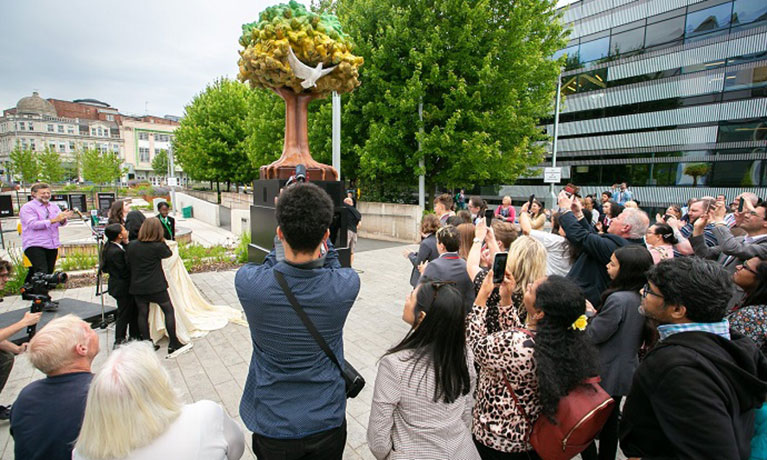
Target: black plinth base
263,222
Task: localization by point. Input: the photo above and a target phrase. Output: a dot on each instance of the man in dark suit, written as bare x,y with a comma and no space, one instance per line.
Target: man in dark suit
168,222
449,266
113,263
589,270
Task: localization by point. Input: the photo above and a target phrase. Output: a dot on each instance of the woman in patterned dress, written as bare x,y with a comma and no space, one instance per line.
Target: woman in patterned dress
750,317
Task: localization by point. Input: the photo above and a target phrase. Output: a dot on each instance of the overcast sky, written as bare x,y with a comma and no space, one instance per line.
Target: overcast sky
139,56
154,54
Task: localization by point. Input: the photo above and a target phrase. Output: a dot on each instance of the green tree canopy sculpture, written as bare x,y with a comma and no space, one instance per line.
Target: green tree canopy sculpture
264,62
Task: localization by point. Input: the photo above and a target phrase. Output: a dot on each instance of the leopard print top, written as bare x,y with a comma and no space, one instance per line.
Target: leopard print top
497,423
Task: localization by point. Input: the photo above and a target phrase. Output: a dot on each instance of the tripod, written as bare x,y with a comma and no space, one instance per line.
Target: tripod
98,235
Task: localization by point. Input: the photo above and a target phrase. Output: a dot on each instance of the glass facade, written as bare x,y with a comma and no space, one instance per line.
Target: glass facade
677,98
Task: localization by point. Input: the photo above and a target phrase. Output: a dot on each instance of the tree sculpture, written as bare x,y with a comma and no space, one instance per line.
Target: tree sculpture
289,50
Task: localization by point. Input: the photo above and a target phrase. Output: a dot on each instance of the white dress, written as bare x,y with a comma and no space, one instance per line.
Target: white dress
195,316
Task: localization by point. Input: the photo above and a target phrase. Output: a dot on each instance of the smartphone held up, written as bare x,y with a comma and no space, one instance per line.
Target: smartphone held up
499,267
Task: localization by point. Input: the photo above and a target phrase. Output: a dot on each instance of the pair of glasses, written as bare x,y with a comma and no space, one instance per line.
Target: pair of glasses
744,266
647,291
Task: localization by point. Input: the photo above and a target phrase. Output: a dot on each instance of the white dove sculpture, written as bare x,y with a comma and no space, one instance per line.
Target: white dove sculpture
308,74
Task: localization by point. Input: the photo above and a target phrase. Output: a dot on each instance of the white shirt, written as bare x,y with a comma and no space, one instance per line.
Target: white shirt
203,431
557,252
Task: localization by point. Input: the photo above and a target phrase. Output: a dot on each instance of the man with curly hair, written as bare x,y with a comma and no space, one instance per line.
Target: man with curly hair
695,393
294,399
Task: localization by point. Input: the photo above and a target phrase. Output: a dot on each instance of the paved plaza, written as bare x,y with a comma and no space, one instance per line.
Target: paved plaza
217,367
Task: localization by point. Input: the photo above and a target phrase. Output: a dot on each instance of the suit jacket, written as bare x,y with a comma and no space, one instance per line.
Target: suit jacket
589,270
450,267
731,251
427,251
145,264
116,266
172,223
617,332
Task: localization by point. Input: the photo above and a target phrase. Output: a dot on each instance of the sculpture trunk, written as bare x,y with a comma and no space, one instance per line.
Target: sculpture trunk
295,150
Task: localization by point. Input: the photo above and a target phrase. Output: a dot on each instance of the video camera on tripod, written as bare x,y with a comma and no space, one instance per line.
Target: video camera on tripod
37,290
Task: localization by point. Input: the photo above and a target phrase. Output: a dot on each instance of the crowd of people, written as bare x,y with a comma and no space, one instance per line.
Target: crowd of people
670,315
670,319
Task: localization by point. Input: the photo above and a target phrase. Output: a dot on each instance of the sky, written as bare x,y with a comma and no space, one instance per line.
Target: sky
140,56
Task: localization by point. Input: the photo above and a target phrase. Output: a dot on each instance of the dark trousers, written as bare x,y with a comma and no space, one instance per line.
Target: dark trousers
42,260
608,437
6,364
127,316
163,300
326,445
488,453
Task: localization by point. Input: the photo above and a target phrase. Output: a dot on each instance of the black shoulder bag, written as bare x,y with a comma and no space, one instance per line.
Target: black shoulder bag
352,378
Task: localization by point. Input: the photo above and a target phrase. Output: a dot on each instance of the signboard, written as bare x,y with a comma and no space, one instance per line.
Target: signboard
552,175
78,201
6,206
172,182
105,201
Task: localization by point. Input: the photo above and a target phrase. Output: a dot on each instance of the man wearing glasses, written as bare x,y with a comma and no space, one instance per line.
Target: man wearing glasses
695,393
733,250
40,222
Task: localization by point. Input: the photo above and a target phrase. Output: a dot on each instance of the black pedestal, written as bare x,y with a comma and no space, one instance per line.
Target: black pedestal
263,221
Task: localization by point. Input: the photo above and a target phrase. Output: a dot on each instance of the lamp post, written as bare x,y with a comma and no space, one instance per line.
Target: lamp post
556,133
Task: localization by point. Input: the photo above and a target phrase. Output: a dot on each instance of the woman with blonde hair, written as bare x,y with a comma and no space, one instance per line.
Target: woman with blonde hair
133,413
526,263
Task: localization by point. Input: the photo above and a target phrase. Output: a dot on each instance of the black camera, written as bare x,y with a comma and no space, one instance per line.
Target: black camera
37,290
299,176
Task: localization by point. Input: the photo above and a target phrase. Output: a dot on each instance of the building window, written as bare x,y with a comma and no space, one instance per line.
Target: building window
70,129
52,146
747,11
115,148
708,20
664,32
745,78
71,146
743,131
143,136
50,128
61,129
627,42
30,126
93,131
62,147
24,144
22,126
143,154
110,117
31,144
594,50
161,138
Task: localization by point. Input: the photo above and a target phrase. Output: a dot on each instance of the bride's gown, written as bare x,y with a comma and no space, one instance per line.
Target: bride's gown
195,316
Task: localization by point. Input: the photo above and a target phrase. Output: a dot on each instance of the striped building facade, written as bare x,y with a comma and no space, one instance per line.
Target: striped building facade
667,95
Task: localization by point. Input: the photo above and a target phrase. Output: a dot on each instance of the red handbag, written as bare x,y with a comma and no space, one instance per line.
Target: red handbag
580,416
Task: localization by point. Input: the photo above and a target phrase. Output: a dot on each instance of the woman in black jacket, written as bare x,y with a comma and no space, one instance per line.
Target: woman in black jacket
148,283
427,250
617,330
168,222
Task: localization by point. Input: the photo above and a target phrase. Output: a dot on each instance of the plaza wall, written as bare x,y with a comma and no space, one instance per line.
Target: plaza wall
389,221
203,210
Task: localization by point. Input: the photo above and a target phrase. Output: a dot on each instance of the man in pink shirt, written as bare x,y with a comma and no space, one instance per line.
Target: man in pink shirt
40,222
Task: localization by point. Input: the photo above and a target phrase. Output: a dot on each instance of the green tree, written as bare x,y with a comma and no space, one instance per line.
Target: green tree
210,140
160,163
696,170
101,168
483,71
24,165
51,167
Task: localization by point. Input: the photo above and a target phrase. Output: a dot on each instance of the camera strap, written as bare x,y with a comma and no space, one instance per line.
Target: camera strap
305,319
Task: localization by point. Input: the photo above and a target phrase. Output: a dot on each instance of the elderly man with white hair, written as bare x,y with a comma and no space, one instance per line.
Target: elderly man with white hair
46,417
589,270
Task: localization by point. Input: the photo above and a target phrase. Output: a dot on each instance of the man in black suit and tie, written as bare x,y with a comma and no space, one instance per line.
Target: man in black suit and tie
113,263
449,266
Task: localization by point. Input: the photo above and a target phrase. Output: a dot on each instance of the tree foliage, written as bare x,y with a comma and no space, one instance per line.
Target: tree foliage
210,140
483,72
51,167
314,39
160,163
24,165
101,167
696,170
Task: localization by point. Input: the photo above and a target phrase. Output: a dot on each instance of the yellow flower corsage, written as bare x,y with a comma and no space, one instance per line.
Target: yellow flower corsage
580,323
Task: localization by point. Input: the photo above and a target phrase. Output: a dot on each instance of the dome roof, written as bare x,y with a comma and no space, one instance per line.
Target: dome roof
35,104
